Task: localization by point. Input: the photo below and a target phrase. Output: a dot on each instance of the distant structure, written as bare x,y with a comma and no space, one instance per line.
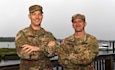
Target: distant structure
11,39
7,39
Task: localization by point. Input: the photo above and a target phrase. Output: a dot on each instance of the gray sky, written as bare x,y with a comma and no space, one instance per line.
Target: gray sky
100,16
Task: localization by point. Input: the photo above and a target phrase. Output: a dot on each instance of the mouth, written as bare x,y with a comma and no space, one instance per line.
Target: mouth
37,20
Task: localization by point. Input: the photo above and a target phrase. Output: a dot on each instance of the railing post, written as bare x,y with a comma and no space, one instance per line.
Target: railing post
113,47
109,63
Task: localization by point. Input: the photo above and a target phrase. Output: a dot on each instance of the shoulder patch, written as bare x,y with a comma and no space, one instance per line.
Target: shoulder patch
18,36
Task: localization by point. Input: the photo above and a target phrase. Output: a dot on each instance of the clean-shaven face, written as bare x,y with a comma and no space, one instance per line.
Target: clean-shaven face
36,18
78,25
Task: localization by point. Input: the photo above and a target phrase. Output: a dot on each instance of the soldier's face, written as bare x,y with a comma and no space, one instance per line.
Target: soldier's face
36,18
78,25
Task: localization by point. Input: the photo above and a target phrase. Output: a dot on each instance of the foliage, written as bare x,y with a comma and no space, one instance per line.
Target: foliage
4,51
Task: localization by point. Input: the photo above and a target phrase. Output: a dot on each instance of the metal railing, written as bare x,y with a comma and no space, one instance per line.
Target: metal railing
102,62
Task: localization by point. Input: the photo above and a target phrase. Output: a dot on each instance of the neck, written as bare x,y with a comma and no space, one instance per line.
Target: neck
79,34
35,27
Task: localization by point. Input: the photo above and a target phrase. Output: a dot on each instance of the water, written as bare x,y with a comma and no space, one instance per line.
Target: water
9,62
7,45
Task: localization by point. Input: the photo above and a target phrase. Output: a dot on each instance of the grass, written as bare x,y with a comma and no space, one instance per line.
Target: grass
4,51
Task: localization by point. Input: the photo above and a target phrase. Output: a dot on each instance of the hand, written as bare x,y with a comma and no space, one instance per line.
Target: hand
28,48
51,43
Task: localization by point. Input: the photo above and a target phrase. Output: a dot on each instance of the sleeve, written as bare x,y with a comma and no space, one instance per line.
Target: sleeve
20,40
87,55
50,51
63,54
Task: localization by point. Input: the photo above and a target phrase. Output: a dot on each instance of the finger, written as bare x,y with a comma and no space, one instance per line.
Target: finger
51,43
27,50
24,48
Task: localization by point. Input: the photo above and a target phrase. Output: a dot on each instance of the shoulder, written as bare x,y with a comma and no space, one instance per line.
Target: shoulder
90,36
69,38
46,32
23,30
21,33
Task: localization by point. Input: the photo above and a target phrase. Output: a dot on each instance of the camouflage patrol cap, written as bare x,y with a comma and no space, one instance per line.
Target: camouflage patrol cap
80,16
34,8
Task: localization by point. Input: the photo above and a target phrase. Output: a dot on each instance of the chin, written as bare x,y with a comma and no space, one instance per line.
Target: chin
78,30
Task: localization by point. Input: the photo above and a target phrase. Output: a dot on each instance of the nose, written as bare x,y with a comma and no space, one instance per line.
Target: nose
37,16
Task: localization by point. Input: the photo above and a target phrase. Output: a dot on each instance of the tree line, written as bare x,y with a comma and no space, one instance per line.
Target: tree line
7,39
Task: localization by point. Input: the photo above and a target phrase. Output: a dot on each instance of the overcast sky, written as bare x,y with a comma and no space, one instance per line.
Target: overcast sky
100,16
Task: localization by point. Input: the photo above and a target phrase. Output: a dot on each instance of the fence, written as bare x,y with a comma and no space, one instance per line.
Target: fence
102,62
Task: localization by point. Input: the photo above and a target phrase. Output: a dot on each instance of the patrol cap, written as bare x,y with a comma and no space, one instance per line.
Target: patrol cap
34,8
80,16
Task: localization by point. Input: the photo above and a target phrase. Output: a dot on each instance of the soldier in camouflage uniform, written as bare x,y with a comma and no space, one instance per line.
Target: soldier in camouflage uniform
34,44
78,51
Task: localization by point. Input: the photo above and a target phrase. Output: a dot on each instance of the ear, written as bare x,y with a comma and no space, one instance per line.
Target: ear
72,25
42,15
29,16
85,23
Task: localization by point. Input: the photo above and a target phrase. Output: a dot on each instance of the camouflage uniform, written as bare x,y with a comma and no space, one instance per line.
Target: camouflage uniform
78,53
36,60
